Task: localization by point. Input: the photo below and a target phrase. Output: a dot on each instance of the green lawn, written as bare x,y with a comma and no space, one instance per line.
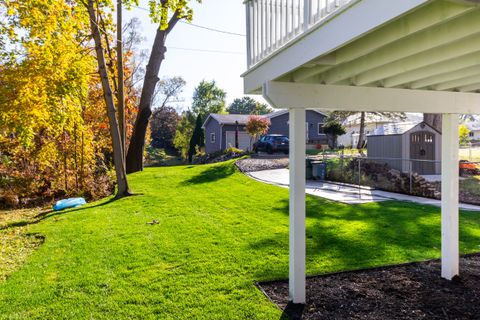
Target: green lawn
219,232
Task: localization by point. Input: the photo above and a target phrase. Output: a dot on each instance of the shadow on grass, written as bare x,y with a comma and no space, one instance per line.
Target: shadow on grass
212,174
349,237
51,213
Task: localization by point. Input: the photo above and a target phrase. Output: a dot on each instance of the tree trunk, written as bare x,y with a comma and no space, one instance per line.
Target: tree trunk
361,136
137,141
121,81
434,120
119,163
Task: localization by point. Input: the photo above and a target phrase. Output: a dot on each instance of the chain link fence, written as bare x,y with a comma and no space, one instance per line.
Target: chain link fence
416,177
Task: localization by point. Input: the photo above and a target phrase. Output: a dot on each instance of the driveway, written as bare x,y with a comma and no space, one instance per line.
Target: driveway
345,193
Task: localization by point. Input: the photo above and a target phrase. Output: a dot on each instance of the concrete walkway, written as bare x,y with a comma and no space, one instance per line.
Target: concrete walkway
343,192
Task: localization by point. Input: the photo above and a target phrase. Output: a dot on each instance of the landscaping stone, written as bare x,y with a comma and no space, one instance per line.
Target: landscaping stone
258,164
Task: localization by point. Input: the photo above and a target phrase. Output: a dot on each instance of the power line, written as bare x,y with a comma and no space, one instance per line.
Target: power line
212,29
199,26
205,50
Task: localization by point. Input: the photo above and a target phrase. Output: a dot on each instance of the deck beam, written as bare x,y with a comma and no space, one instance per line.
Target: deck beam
350,98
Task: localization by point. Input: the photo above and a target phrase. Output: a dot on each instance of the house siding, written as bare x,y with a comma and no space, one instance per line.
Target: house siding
279,125
386,147
212,126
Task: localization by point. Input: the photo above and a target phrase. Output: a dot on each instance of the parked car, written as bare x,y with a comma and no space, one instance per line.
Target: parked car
271,143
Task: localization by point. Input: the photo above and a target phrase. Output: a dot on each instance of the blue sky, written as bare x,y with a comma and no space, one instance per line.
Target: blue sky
194,66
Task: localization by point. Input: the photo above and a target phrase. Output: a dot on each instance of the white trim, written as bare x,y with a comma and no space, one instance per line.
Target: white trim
320,124
348,98
450,245
297,249
221,136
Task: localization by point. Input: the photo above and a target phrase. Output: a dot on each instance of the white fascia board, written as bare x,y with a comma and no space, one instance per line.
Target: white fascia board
358,19
369,99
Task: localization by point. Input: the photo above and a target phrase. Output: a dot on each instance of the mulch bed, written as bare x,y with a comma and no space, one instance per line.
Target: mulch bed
410,291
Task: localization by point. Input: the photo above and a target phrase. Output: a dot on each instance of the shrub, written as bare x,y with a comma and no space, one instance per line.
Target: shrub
155,156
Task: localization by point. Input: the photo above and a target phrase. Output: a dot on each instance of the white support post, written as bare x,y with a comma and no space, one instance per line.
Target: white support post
297,206
450,241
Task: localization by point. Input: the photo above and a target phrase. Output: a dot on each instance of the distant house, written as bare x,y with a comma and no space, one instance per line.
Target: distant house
407,146
372,123
474,128
220,129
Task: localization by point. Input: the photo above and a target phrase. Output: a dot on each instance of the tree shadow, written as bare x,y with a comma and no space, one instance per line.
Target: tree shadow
349,237
212,174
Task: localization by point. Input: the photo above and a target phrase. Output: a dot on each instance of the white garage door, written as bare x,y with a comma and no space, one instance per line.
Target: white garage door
243,140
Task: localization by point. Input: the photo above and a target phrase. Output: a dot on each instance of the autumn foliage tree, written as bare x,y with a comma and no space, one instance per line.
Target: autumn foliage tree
54,133
166,13
257,126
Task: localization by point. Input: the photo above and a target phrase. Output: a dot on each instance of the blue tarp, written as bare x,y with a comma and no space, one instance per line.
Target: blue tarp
68,203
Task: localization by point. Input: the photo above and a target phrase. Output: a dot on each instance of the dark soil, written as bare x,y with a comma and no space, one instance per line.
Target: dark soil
410,291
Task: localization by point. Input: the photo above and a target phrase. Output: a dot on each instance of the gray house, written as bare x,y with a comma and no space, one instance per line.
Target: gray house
220,129
414,146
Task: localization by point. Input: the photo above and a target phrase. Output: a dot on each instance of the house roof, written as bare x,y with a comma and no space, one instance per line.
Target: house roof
396,128
473,126
378,118
243,118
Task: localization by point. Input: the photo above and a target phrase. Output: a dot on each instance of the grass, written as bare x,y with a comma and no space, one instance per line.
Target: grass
219,232
16,244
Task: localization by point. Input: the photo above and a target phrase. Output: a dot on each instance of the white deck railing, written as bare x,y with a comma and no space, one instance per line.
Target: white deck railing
273,23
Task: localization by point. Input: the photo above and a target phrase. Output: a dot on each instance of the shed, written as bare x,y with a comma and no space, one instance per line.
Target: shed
407,146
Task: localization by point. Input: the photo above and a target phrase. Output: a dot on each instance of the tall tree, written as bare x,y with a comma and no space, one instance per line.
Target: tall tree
197,140
163,126
434,120
247,105
121,81
118,158
168,91
166,13
208,98
184,132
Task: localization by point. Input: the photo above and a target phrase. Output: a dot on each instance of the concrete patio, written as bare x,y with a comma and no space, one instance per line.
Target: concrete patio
345,193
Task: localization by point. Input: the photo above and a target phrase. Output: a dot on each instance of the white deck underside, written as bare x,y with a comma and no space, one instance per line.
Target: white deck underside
413,44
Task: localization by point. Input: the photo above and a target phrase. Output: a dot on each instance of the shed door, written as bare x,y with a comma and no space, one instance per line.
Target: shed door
243,140
422,147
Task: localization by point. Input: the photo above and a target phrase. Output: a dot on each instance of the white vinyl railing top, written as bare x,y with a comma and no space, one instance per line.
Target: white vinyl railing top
273,23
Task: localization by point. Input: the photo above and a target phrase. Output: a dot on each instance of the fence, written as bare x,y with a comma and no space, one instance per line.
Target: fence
390,174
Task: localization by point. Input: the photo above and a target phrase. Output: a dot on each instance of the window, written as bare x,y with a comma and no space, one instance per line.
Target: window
471,134
320,128
212,137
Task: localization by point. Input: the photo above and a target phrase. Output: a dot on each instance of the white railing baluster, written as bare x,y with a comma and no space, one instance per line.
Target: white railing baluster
306,14
249,33
273,23
272,26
